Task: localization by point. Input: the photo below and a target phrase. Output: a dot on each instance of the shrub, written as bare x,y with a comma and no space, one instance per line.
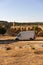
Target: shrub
2,30
41,34
35,28
13,31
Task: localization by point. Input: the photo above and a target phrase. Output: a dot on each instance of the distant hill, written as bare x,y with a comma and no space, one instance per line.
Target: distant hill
9,24
30,23
4,22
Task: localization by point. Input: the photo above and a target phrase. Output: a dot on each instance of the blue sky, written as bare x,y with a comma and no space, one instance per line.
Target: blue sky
21,10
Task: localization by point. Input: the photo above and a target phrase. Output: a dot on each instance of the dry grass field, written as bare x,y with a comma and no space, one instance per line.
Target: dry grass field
21,52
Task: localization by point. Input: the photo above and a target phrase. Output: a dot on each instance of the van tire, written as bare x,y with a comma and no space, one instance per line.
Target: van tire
16,39
31,39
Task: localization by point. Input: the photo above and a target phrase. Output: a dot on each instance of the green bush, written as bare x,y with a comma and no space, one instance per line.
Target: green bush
2,30
35,28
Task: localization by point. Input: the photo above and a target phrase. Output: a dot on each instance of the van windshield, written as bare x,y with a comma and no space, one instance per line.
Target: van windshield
19,35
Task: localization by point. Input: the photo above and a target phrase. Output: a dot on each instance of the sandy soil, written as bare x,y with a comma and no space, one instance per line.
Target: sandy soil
21,53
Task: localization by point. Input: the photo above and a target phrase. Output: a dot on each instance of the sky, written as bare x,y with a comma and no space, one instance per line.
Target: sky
21,10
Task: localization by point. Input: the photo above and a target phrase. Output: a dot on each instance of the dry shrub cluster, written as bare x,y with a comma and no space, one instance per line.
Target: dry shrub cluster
13,31
16,30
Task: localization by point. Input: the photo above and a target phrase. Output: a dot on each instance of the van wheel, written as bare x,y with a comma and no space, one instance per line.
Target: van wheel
31,39
17,39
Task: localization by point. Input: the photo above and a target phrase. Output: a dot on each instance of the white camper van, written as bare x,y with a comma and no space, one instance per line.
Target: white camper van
26,35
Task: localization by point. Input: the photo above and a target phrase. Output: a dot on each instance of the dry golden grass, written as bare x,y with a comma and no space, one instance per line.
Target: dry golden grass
21,53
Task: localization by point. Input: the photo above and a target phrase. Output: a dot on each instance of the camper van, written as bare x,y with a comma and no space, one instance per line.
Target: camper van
26,35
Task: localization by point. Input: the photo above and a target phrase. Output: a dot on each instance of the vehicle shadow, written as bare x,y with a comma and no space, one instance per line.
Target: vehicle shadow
8,41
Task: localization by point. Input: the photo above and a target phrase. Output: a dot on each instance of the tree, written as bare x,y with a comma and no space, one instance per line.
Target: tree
35,28
2,30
